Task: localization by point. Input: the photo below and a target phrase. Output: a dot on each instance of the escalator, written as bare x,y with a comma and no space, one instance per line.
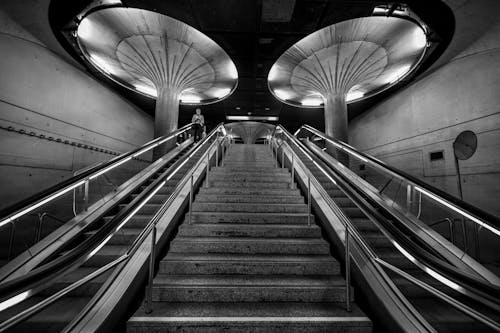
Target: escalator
444,285
231,239
56,280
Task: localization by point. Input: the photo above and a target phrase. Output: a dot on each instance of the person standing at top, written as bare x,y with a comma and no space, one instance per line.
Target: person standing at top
198,122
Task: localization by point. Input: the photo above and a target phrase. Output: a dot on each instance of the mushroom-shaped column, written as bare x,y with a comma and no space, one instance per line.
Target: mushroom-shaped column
157,56
250,131
345,62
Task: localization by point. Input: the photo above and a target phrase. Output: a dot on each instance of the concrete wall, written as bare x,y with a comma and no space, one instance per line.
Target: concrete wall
54,117
461,92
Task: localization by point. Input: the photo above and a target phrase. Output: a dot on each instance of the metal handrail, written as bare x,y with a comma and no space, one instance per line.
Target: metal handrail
467,210
375,260
154,221
13,212
132,249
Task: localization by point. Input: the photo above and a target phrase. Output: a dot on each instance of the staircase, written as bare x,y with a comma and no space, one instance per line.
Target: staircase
249,261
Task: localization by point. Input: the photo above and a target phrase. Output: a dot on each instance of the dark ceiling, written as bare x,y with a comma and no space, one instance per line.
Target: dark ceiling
255,33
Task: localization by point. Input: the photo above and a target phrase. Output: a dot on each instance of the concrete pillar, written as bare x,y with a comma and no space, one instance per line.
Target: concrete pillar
336,117
166,117
336,124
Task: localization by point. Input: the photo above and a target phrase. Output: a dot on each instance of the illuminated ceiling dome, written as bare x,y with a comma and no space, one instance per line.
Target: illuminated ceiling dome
158,56
250,131
347,61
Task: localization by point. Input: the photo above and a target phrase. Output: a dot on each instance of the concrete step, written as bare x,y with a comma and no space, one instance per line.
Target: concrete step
249,230
249,191
249,172
255,178
237,170
253,185
249,207
248,288
250,164
200,198
231,217
239,317
249,245
202,263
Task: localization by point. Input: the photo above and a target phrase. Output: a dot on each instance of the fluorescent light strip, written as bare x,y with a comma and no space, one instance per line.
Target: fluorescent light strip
44,201
15,300
458,210
268,118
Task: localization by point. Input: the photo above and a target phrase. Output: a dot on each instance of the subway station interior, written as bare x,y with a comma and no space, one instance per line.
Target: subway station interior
249,166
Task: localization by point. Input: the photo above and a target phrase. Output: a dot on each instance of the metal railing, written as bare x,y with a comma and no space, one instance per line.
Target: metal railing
204,158
295,159
150,228
351,232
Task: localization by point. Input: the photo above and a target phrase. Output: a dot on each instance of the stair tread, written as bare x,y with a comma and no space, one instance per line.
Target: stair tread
307,258
285,310
293,240
303,281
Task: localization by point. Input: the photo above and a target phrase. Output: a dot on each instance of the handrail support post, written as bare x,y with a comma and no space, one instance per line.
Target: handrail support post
282,157
347,270
293,171
191,200
309,200
86,195
149,294
208,170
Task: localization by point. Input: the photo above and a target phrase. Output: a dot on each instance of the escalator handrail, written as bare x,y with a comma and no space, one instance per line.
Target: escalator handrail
17,286
472,212
473,285
27,205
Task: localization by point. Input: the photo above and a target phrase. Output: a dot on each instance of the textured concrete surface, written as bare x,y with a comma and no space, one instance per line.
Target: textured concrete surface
43,94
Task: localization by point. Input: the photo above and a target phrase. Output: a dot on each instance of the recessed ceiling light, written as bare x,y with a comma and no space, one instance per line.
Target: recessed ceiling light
238,108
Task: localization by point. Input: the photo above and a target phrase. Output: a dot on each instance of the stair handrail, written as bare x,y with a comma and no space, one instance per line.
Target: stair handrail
23,207
473,213
123,258
377,261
